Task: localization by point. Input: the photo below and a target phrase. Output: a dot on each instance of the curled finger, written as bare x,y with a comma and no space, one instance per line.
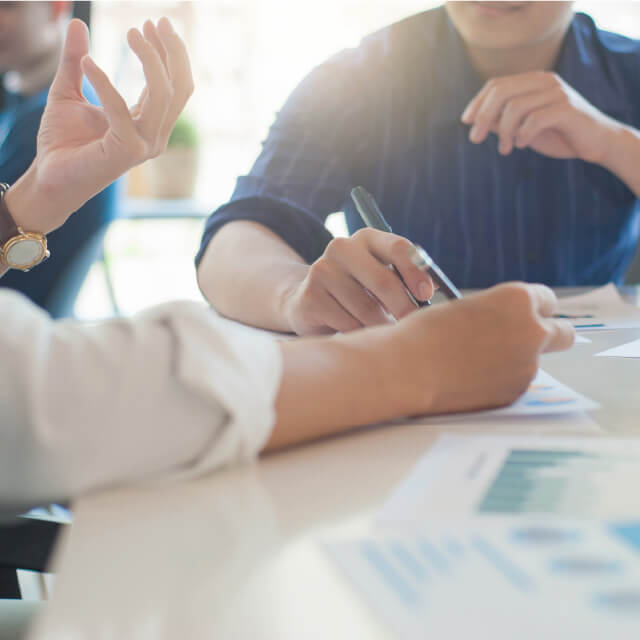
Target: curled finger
561,335
159,92
115,108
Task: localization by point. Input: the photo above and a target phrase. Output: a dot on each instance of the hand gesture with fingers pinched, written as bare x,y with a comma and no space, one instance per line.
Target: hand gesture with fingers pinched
81,147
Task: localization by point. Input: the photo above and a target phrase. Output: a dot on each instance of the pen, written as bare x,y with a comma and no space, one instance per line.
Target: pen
373,218
425,262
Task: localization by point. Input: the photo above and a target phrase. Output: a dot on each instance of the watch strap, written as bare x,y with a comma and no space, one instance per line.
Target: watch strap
8,226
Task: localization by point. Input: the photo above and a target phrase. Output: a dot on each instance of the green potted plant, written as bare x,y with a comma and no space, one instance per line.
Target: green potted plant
173,173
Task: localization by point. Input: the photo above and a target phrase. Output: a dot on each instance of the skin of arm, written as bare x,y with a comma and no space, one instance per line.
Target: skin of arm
179,391
252,289
434,361
349,287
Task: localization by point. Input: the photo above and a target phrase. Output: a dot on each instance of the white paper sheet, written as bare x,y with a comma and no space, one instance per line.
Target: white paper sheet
598,310
501,580
506,475
628,350
546,396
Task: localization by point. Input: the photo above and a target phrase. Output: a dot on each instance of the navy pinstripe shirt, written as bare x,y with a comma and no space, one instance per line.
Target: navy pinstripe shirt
386,115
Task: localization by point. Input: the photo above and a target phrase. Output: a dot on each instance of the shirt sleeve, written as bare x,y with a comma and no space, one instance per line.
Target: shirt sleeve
306,167
176,391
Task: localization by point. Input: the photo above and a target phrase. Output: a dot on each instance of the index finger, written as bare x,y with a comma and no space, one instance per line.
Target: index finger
544,299
501,90
389,248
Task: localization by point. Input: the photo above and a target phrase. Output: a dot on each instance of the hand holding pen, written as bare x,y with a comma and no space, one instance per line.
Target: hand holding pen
373,218
351,286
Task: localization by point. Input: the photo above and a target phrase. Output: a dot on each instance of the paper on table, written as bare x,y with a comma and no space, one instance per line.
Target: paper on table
628,350
545,396
566,579
598,310
491,475
563,423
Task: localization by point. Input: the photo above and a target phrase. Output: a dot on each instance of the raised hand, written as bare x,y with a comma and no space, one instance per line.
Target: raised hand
81,147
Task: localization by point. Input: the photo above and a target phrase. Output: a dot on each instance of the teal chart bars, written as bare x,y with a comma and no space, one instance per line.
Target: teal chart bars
550,481
509,475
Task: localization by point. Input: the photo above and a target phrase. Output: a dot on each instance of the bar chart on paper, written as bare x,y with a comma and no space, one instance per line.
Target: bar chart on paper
556,482
566,578
489,476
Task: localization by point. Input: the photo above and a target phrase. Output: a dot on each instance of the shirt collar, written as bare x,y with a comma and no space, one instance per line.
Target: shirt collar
582,64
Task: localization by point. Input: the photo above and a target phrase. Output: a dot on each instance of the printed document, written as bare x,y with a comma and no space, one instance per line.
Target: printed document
600,309
501,579
517,475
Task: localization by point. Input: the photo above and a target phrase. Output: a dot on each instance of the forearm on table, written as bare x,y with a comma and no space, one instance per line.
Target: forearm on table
331,384
247,272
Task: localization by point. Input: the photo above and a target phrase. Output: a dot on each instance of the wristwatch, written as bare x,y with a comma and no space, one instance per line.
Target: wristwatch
19,249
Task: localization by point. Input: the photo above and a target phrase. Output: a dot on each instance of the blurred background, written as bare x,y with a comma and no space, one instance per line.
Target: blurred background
247,56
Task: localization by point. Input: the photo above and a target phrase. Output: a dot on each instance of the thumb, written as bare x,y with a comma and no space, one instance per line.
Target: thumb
68,80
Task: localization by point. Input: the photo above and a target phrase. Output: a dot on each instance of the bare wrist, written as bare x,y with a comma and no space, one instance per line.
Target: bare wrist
27,203
286,293
392,363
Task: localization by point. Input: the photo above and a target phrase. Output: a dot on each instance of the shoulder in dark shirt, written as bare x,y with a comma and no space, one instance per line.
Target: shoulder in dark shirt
386,114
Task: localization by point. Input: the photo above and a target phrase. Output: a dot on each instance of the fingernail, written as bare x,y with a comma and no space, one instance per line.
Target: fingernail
465,115
474,134
424,290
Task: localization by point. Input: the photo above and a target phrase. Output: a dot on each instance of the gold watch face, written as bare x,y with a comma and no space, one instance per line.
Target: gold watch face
25,252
